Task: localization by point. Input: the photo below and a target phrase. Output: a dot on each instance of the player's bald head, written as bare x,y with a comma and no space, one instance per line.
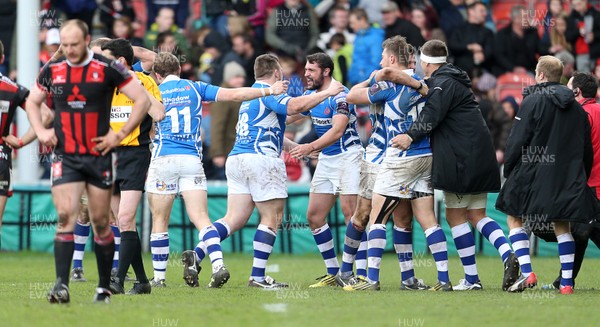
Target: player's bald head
75,26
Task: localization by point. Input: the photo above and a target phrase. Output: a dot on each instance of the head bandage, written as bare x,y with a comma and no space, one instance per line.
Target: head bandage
433,60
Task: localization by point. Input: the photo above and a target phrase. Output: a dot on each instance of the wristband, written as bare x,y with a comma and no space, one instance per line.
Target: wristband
21,144
271,91
420,86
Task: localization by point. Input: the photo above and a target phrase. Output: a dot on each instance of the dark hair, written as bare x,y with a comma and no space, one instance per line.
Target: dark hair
79,24
120,48
265,65
474,4
435,48
586,83
245,37
165,64
161,37
127,21
338,38
336,8
322,60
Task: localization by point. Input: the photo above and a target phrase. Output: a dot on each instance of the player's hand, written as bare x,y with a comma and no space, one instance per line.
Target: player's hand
401,141
47,137
372,75
280,87
12,141
107,142
314,155
335,88
424,89
302,150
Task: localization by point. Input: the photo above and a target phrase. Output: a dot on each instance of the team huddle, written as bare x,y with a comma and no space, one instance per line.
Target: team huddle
117,133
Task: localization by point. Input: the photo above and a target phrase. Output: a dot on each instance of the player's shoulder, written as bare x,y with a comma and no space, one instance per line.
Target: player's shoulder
145,80
380,86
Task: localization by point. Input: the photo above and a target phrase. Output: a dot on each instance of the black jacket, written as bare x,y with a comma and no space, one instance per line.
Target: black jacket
464,159
407,29
465,35
548,158
572,33
511,51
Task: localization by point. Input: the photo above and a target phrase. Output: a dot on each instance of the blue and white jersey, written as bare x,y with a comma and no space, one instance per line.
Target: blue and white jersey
322,117
375,151
261,125
403,105
179,132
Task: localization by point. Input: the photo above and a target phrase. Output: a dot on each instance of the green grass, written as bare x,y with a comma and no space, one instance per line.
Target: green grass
26,277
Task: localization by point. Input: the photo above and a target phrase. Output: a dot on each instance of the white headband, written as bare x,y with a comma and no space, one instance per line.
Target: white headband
433,60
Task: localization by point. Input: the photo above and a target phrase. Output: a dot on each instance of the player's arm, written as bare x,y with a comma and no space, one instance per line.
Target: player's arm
338,127
29,136
397,76
288,145
33,108
250,93
141,104
358,93
145,56
157,109
306,102
294,118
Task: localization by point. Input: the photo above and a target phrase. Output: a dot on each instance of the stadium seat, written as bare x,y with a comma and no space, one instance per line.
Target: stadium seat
513,84
501,12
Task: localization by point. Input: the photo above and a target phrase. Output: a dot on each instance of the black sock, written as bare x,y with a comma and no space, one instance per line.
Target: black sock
63,255
105,251
138,263
126,253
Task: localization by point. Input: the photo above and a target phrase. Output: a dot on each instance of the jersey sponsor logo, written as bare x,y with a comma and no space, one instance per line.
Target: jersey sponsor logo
162,186
379,86
107,177
56,170
176,100
321,121
174,90
120,114
327,111
76,100
4,106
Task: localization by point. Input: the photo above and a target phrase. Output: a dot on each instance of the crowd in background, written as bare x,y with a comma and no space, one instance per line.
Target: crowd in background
217,42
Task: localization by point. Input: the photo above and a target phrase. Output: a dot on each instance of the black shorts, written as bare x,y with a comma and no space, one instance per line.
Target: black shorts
5,170
70,168
131,168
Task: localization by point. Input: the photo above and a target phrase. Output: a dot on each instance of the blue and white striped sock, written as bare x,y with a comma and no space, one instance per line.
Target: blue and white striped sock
465,245
520,243
80,236
566,252
117,234
361,256
224,232
159,246
436,240
493,233
264,238
376,243
211,238
324,240
404,250
352,241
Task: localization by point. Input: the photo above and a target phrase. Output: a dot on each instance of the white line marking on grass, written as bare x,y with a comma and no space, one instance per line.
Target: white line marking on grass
275,307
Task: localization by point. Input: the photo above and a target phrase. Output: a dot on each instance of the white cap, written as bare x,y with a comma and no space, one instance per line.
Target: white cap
52,36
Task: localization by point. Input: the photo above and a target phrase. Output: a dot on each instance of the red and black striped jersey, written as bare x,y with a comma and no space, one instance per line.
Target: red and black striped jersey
81,96
12,95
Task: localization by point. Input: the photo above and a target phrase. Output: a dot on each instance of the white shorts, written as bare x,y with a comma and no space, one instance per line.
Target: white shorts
402,178
368,175
263,177
469,201
338,174
175,174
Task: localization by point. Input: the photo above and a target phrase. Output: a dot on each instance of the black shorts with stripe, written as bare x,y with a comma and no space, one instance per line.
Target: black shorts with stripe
71,168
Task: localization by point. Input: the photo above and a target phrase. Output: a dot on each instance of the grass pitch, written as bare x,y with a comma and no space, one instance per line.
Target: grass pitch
26,277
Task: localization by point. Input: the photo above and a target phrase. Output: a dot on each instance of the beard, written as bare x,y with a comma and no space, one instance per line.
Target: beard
316,84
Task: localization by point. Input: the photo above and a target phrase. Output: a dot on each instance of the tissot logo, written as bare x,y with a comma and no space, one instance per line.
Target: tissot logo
76,100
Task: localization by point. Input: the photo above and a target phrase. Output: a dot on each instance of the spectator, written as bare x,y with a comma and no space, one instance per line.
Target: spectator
123,28
180,9
238,25
568,62
367,46
50,45
517,45
342,58
256,11
211,61
8,26
111,10
289,66
554,11
338,17
81,9
165,21
583,31
510,106
167,42
450,13
396,25
224,120
557,37
244,53
292,29
471,44
373,10
423,19
215,13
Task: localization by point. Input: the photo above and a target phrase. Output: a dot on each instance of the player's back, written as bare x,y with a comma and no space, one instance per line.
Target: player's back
322,119
179,132
11,96
375,150
261,125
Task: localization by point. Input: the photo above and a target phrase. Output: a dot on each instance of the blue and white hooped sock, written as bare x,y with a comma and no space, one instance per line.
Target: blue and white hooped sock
465,245
436,240
520,243
352,242
80,236
566,252
324,240
493,233
117,233
404,250
376,243
264,239
159,246
211,238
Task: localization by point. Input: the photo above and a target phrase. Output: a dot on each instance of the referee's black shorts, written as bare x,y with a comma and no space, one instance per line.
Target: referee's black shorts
132,164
